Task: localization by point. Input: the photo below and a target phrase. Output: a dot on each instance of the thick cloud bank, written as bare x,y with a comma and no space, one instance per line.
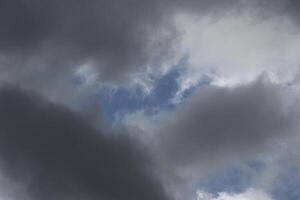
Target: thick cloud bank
53,154
50,40
63,48
43,43
218,123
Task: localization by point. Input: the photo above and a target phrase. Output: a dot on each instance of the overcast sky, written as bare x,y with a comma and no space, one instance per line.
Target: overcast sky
149,100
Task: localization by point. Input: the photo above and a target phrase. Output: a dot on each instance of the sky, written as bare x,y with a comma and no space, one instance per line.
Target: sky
149,100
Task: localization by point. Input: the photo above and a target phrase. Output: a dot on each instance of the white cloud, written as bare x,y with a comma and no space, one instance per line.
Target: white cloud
250,194
238,47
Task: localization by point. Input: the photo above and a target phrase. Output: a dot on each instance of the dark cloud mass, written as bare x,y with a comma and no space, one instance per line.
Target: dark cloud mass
52,37
54,154
43,42
218,123
49,152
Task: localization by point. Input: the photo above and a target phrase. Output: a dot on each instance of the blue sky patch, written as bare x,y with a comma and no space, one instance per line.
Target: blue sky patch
287,185
125,99
233,179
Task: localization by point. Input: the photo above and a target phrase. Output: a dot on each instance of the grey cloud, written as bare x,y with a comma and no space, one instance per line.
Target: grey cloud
220,123
42,42
57,155
54,154
116,36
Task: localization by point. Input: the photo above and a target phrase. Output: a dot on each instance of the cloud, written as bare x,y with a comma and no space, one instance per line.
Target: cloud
250,194
49,152
44,44
218,124
238,47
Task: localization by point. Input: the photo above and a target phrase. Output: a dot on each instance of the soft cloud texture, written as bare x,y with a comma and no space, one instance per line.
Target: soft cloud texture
221,121
62,49
219,125
44,44
251,194
238,47
49,152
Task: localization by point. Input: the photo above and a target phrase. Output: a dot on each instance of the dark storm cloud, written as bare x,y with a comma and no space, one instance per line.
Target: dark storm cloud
116,36
218,123
42,42
286,7
47,39
54,154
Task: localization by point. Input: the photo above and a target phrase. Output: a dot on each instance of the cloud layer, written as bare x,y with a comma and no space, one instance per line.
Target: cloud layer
54,154
220,119
43,44
56,47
